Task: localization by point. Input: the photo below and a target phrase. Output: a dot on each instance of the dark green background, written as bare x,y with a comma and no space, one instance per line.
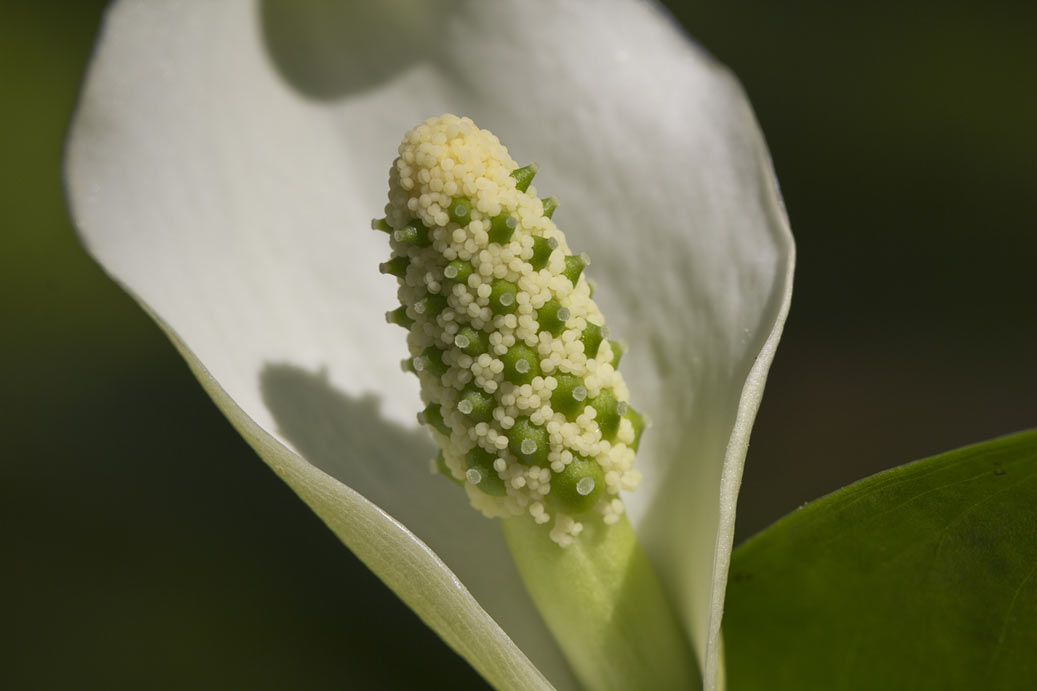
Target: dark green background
903,135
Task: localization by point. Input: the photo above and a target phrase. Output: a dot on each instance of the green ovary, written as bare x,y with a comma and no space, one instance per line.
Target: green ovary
480,472
503,296
470,341
578,487
458,271
569,397
528,442
521,364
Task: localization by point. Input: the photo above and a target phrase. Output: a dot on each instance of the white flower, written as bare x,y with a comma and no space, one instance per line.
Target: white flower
224,164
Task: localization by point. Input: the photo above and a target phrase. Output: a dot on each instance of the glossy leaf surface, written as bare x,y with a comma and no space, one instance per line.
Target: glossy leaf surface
921,577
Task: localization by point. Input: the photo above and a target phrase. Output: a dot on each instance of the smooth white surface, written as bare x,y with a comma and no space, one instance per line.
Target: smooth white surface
225,162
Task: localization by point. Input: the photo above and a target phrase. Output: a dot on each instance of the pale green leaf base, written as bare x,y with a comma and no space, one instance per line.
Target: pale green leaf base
603,603
922,577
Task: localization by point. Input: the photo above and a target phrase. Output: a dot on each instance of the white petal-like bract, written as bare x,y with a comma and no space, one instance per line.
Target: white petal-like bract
224,164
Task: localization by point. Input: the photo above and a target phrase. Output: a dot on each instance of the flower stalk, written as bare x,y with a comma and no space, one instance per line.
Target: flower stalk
603,603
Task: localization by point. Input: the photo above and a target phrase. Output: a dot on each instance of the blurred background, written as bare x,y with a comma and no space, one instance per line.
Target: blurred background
904,138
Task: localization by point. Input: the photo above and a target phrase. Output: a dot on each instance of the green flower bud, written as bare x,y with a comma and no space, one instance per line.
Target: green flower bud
399,317
528,442
578,487
618,348
569,397
639,422
542,249
481,473
574,266
458,271
432,415
549,204
552,317
502,227
591,338
524,175
440,466
476,404
397,266
460,211
521,364
470,341
430,305
414,233
502,296
609,411
430,361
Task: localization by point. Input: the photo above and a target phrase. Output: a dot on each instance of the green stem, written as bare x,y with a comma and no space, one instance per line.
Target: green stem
605,607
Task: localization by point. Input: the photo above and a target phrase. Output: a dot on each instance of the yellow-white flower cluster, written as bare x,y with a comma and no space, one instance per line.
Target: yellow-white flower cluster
520,380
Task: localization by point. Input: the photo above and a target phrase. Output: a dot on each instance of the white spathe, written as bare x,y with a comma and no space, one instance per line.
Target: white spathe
224,164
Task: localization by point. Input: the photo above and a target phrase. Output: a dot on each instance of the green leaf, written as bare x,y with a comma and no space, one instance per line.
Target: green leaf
921,577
